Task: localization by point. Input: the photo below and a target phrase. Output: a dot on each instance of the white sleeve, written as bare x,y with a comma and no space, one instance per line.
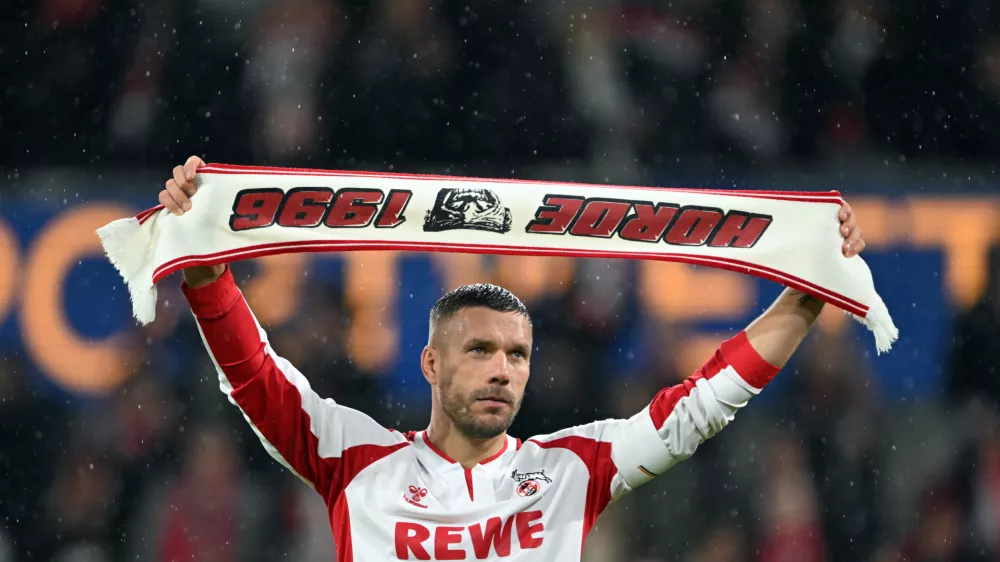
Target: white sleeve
683,416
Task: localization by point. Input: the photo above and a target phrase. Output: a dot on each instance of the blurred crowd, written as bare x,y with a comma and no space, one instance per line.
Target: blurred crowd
821,469
328,83
824,471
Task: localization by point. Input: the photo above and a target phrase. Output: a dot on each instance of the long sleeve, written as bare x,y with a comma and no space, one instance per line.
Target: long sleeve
623,454
322,442
683,416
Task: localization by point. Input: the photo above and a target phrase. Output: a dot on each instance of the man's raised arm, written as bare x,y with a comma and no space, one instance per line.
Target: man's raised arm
683,416
777,333
322,442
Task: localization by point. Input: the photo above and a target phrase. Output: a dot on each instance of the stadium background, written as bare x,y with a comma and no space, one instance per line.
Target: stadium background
115,443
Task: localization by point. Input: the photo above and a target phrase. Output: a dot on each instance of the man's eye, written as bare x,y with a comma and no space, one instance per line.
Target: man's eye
479,349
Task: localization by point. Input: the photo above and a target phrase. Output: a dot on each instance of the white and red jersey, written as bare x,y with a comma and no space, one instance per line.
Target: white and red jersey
394,496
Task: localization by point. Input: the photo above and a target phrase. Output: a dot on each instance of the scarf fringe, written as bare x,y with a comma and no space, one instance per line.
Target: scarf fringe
880,323
127,246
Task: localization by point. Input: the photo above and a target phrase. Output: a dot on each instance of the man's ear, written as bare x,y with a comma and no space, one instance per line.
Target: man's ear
430,363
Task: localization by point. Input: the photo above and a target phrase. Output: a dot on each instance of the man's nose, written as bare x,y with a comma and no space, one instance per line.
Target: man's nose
500,368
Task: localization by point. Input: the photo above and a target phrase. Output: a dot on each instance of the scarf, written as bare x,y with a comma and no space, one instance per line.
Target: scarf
239,213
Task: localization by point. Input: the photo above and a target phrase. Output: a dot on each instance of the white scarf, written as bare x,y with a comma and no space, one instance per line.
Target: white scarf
238,213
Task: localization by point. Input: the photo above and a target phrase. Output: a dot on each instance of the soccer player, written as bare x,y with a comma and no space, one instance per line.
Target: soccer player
462,489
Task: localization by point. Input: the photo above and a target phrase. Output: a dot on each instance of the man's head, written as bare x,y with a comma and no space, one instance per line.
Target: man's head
477,358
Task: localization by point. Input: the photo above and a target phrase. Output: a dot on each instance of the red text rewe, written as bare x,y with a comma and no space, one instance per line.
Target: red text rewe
494,538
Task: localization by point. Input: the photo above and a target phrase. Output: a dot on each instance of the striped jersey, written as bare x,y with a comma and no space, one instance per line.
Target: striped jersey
393,495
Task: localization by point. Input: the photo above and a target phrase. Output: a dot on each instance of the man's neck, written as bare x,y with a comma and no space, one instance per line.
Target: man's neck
466,452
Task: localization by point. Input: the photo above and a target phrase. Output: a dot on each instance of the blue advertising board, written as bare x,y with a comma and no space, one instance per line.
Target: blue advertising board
65,310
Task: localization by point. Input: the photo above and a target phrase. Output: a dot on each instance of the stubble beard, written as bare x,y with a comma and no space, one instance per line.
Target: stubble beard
472,426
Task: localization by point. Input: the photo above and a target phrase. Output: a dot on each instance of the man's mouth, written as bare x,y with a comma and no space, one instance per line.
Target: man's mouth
494,400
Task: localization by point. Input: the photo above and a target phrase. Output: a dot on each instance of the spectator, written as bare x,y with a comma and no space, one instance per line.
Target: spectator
974,357
31,439
791,529
939,533
81,507
210,511
835,410
725,542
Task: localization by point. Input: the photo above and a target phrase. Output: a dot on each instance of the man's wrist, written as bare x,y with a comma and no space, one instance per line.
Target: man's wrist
197,277
808,305
778,332
212,298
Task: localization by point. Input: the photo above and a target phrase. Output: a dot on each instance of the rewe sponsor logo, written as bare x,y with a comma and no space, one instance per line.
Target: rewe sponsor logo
495,538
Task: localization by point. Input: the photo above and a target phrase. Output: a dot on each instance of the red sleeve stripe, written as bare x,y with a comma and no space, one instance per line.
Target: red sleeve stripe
747,362
340,522
351,462
229,328
597,456
665,400
274,405
275,409
735,352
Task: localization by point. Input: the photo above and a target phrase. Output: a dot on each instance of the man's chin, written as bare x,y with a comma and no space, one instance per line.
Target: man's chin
487,425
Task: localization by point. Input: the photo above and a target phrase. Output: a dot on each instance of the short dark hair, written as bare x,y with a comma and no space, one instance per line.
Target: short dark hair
485,295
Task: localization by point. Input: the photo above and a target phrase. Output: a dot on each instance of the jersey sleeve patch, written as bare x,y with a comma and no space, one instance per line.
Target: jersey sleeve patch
638,451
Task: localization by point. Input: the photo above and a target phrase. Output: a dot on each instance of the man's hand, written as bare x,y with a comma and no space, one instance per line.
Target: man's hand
176,197
849,229
777,333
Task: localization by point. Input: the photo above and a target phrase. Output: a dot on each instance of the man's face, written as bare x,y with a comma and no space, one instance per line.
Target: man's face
482,360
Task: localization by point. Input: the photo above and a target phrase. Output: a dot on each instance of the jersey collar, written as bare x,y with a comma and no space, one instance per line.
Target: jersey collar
509,445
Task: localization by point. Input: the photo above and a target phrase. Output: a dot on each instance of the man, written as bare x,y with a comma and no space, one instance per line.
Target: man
462,488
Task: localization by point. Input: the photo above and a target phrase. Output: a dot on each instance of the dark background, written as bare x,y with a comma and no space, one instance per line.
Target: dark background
893,103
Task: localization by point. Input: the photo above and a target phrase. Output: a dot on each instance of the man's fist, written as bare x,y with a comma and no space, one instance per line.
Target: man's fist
176,195
849,229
